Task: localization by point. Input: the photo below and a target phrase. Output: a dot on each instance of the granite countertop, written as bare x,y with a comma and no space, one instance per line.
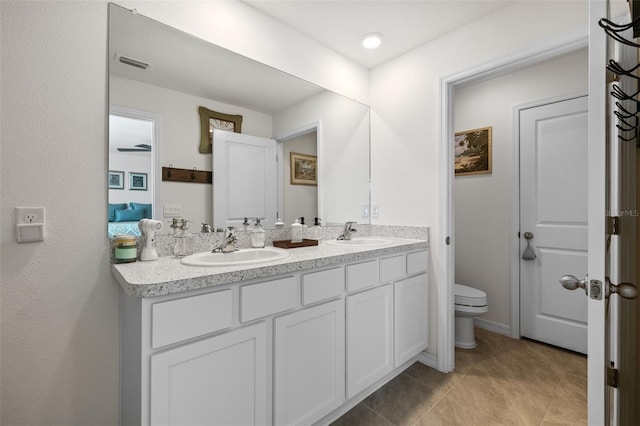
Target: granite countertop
167,275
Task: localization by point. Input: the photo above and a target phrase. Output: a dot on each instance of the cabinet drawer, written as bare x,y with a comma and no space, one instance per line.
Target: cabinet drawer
393,268
322,285
417,262
182,319
362,275
267,298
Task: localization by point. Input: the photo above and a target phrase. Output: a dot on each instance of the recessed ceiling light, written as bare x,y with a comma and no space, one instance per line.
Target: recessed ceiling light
372,40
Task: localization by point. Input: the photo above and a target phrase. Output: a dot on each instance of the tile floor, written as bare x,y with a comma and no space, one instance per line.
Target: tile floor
502,381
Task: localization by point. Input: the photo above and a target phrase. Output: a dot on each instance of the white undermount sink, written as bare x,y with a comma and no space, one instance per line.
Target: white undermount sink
361,242
247,256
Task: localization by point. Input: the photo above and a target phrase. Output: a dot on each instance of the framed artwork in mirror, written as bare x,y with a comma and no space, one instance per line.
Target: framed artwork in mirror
304,169
116,179
473,152
210,120
137,181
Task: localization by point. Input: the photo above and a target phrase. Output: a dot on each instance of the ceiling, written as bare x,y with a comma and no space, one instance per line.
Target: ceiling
405,25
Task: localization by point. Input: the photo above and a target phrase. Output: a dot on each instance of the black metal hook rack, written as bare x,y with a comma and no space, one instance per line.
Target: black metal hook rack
627,106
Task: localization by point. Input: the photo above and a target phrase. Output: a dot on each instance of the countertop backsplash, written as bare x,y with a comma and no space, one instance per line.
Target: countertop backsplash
207,241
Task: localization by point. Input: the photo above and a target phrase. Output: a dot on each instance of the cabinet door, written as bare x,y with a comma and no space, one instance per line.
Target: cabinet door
369,337
309,364
218,381
411,321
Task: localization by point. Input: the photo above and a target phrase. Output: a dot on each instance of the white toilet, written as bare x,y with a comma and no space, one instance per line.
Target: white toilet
469,303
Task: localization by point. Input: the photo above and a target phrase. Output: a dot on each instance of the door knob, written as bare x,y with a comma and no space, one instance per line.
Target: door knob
570,282
624,290
529,253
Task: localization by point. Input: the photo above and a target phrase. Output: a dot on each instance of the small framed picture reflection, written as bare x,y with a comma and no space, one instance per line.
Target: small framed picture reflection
137,181
116,179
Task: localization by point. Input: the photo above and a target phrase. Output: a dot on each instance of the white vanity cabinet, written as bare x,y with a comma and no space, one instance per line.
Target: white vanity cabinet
309,365
220,380
369,337
294,348
410,318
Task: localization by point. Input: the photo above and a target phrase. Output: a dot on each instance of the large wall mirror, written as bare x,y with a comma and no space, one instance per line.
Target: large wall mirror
159,77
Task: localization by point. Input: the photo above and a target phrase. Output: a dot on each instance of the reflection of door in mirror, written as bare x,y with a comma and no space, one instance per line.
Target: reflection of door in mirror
133,143
245,179
299,199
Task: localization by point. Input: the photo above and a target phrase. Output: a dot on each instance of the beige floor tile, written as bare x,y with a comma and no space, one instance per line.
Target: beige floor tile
467,358
403,400
569,406
519,374
454,418
361,415
439,383
504,381
486,396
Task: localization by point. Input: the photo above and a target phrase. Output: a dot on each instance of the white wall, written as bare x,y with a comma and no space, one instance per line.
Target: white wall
181,138
405,100
59,305
299,200
483,202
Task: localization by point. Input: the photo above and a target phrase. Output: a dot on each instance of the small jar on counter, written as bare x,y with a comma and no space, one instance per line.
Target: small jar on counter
125,249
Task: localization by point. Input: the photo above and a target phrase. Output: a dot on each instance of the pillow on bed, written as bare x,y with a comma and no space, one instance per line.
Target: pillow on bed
146,208
113,208
130,215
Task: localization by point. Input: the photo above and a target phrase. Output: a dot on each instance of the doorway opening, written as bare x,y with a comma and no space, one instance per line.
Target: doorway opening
563,44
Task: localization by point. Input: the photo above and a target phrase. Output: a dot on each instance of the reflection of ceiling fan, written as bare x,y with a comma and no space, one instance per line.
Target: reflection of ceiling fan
141,147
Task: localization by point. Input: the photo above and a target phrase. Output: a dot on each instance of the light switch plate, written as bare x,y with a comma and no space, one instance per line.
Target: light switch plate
172,210
375,210
365,210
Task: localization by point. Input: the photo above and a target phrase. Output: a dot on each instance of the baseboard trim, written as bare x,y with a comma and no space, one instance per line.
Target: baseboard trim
430,360
492,326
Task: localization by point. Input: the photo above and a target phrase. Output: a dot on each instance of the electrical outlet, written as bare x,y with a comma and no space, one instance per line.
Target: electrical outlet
27,215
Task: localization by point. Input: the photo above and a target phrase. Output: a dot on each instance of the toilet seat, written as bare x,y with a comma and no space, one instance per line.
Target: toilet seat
469,297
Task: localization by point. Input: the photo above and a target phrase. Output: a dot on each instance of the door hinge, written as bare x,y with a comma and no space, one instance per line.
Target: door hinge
612,376
613,225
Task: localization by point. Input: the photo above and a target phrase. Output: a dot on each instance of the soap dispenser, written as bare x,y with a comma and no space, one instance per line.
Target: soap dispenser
315,230
305,228
258,236
296,232
184,241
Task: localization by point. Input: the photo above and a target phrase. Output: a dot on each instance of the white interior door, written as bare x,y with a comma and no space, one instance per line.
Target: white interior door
621,238
553,211
245,177
611,182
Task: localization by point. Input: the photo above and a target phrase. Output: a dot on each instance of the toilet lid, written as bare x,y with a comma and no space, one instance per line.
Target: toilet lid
469,296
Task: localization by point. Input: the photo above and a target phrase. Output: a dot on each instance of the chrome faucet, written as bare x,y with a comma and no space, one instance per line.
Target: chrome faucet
228,243
348,231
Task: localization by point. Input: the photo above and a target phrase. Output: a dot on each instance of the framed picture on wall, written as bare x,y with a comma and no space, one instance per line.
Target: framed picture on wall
210,120
116,179
304,169
137,181
473,152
